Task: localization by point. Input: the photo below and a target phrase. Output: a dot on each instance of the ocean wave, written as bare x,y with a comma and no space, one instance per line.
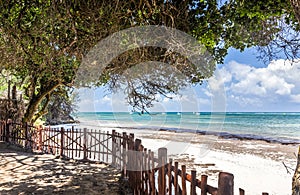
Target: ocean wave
270,127
221,134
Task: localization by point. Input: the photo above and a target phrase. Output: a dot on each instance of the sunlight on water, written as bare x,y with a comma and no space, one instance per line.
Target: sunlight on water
280,127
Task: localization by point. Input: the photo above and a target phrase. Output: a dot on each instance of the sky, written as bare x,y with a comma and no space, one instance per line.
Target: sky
241,84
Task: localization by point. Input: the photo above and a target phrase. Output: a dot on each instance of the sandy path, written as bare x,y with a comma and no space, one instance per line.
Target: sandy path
27,173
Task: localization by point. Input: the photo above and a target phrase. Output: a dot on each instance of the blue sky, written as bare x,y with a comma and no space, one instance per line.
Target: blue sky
241,84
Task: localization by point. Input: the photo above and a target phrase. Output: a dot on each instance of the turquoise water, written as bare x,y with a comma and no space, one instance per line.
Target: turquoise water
273,127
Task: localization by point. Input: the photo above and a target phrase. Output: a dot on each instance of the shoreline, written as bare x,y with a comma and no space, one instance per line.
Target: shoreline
215,141
220,133
278,127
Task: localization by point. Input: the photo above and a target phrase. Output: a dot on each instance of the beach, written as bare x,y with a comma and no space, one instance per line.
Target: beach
258,166
258,149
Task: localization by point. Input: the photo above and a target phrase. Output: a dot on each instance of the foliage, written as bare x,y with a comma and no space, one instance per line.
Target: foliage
240,24
273,27
61,107
43,41
47,39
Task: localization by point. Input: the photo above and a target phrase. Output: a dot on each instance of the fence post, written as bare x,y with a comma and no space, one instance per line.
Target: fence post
170,176
72,135
40,141
136,166
26,134
241,191
162,161
145,171
124,155
7,130
113,147
152,175
203,184
61,153
183,179
149,171
141,160
176,178
84,144
193,182
225,184
130,162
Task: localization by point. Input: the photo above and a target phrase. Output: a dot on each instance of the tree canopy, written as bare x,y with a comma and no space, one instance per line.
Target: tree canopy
43,42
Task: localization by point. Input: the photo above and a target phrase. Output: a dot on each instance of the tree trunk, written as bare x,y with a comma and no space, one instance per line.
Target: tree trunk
296,178
296,7
35,101
32,108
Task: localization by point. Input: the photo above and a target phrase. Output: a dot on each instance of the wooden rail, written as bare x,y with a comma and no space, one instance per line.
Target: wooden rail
146,171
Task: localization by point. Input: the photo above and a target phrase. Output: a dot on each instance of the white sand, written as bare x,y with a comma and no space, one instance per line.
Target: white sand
252,173
257,165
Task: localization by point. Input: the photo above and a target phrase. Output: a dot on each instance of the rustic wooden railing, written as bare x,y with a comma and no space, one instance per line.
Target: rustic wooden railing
146,171
18,134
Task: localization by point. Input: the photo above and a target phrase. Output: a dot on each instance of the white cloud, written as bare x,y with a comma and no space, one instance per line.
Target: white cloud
238,71
247,88
245,101
216,82
276,86
204,101
208,93
104,100
187,101
165,99
278,78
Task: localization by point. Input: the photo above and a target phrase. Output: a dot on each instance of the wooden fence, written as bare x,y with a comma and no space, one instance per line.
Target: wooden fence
146,171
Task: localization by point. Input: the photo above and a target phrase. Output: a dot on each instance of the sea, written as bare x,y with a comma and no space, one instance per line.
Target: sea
277,127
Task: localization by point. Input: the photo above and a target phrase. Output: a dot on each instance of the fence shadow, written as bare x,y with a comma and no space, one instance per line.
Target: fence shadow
27,173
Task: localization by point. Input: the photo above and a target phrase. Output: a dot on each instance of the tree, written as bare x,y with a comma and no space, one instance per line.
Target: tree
296,8
271,26
43,42
38,63
47,39
61,107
